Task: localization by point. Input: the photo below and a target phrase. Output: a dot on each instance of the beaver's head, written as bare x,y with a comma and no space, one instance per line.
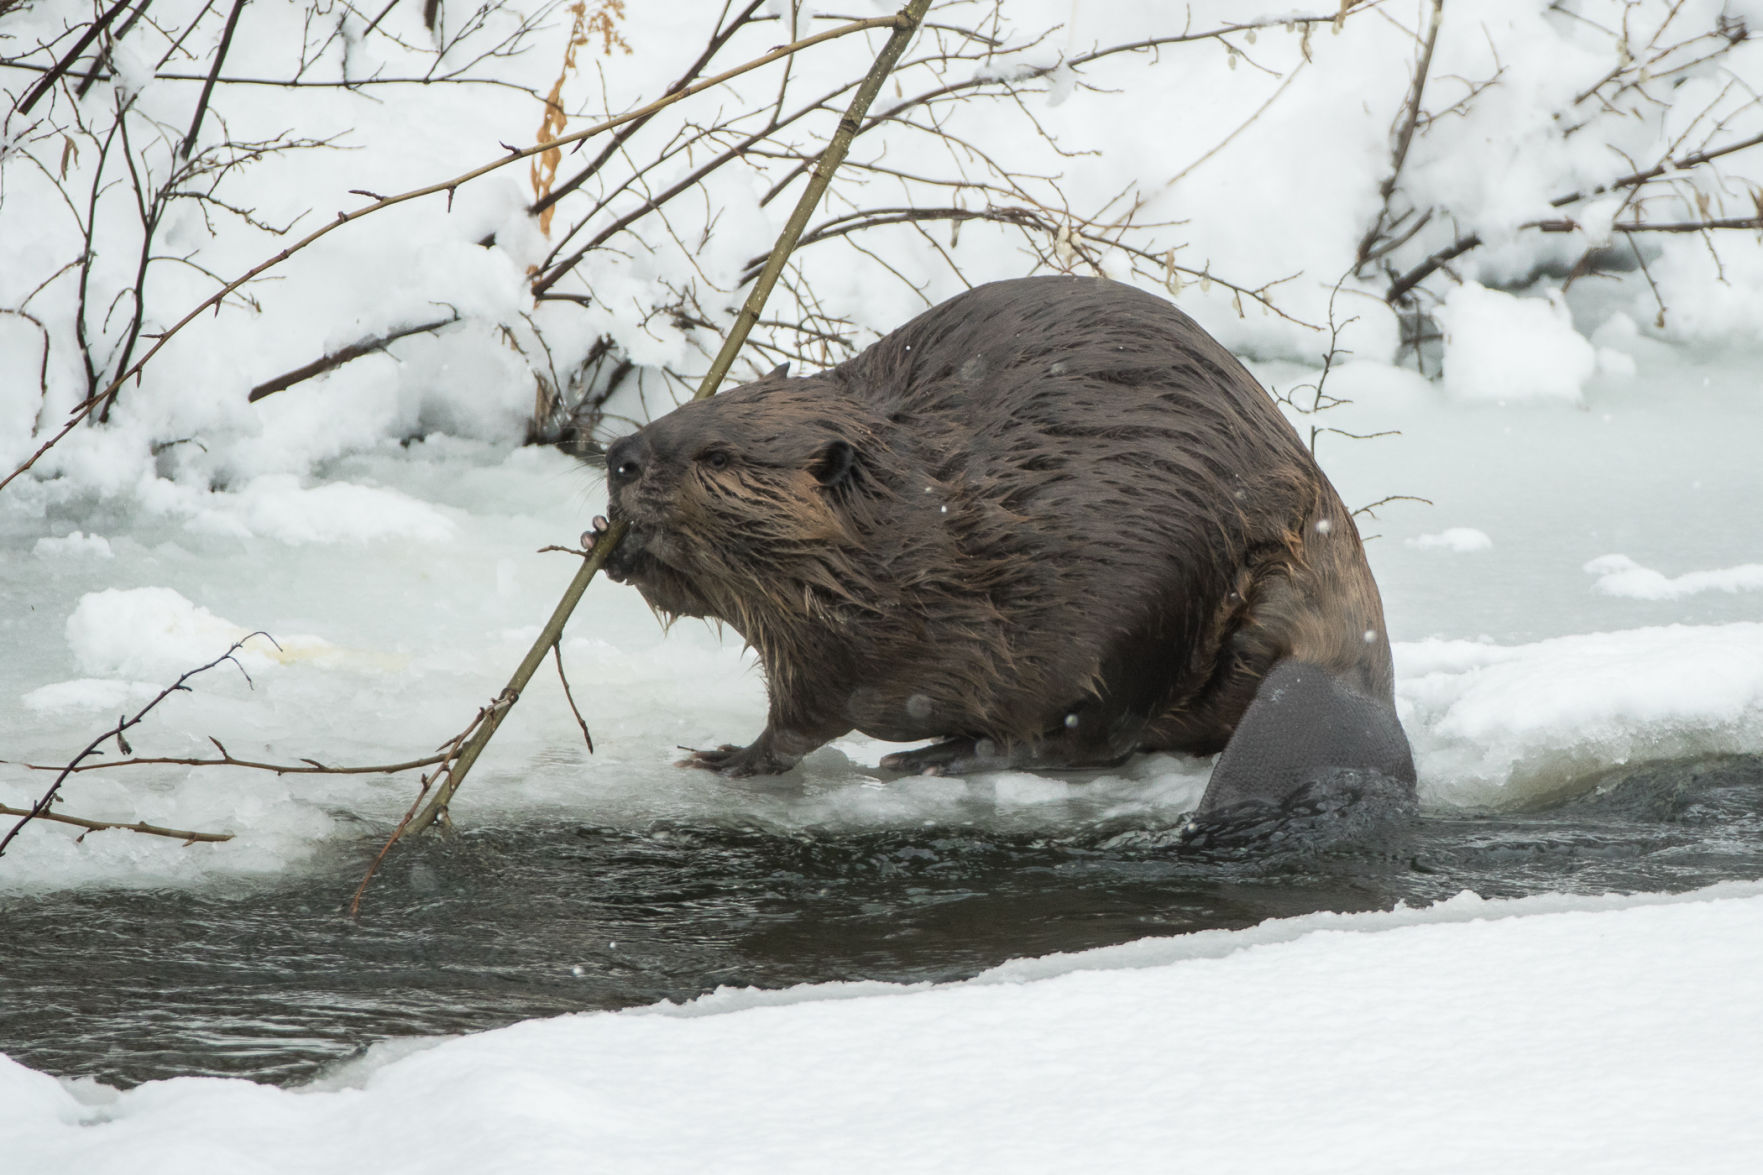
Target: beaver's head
753,494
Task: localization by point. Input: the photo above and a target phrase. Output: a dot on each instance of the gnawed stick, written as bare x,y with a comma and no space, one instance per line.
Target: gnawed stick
449,758
535,656
906,23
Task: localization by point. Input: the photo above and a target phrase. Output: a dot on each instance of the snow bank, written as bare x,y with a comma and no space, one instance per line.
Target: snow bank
1493,723
98,694
1582,1035
1618,575
155,632
1502,347
77,545
277,506
1456,538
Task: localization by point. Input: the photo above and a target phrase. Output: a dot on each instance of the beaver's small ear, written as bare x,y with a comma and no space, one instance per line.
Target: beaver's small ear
781,371
833,466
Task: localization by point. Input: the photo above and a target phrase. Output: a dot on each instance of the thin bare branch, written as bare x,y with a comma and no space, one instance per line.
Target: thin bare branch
60,68
184,835
557,654
226,41
1404,138
1403,284
41,807
717,41
342,355
227,759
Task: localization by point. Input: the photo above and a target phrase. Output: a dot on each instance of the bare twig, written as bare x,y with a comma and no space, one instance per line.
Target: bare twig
449,758
906,24
184,835
1404,138
41,807
288,83
227,759
226,41
1401,285
717,41
1010,79
43,366
379,857
1754,223
1241,127
1321,400
342,355
48,80
557,654
103,57
1370,508
1073,235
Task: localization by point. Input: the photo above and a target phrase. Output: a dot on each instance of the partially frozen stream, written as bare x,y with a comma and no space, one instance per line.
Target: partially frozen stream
404,585
268,979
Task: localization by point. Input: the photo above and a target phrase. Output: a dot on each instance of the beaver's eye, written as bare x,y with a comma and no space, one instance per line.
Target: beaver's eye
715,458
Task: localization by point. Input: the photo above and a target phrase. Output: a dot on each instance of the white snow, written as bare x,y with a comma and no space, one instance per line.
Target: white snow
77,545
154,631
1474,1036
1502,347
89,693
1455,538
1618,575
277,507
383,524
1492,719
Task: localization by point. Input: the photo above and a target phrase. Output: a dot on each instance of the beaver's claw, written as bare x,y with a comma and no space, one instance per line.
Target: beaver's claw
590,537
734,762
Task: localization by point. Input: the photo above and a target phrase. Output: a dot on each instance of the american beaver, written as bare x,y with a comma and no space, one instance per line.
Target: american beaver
1049,522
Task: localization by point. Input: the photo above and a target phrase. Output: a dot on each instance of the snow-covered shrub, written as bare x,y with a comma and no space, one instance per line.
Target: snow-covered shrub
1251,160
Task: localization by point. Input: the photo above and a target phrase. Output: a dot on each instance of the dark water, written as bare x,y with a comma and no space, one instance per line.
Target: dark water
270,981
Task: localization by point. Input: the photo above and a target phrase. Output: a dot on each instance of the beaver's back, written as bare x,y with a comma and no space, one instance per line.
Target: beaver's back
1083,405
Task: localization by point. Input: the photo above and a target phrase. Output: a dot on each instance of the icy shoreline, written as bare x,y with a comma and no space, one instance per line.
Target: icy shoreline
1613,1034
1518,669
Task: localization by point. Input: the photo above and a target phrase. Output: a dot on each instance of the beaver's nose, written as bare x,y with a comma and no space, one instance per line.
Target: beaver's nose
625,459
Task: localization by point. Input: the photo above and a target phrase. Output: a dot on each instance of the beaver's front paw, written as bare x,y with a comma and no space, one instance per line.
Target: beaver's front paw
626,562
734,762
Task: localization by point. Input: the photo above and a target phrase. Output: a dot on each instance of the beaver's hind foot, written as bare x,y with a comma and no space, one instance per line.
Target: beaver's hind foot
965,756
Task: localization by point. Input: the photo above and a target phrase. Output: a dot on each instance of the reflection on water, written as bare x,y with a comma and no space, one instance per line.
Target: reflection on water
270,981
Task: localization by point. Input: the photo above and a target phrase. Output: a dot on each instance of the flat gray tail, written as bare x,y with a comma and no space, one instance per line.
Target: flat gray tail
1311,761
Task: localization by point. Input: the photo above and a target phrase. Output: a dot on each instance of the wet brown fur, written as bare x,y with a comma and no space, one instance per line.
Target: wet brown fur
1052,513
